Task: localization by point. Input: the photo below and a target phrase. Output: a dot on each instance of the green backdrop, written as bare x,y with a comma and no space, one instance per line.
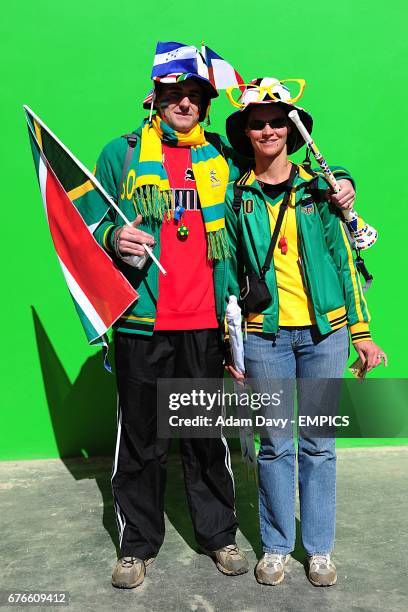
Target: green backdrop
84,68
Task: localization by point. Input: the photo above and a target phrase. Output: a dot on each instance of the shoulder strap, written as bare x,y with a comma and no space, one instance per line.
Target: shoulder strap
215,140
131,140
237,201
306,163
236,207
282,210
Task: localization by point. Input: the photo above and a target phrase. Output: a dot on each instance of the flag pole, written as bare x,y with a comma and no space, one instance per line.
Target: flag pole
94,181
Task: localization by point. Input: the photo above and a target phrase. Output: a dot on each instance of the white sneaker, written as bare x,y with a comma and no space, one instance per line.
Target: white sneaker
270,568
321,571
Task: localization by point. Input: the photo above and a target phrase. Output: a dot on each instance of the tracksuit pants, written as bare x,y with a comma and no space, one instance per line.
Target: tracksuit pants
139,470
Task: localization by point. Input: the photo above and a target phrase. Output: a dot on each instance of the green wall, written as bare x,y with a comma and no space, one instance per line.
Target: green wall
84,68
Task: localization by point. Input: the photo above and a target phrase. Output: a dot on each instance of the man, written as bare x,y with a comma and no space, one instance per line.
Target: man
172,182
173,328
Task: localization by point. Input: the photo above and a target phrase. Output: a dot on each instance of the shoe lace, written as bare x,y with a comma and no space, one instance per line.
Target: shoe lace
233,550
320,560
128,561
273,560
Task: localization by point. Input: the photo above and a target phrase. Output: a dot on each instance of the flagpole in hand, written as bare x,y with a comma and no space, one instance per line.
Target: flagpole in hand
148,250
96,184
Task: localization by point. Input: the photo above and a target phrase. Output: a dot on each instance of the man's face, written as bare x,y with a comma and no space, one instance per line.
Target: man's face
267,139
179,104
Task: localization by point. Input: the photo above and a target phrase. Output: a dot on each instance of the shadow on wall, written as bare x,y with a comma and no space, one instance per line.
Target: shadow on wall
83,413
83,417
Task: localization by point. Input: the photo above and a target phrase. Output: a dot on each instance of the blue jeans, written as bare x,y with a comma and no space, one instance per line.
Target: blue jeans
297,353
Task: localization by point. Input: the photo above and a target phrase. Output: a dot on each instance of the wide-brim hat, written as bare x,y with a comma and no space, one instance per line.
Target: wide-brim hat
237,122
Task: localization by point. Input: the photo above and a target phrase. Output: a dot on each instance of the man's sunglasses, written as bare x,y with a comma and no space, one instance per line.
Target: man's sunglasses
274,124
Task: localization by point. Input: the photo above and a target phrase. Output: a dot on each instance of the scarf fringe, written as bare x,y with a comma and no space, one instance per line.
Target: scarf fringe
218,247
156,206
152,203
211,171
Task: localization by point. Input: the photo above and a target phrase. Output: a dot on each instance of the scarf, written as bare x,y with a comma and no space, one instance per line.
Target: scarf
152,196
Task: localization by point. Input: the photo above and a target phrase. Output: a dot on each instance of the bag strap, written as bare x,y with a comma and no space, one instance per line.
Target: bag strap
236,205
131,140
237,201
282,210
215,140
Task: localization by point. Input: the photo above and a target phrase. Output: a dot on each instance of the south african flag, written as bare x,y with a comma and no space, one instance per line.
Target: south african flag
100,292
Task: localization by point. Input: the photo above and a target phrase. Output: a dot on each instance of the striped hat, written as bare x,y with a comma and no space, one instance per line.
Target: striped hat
175,62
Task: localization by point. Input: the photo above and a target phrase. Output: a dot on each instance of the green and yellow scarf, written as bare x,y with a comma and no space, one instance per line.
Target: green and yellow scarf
152,195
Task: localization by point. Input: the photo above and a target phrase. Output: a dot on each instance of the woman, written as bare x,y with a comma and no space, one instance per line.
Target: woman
301,329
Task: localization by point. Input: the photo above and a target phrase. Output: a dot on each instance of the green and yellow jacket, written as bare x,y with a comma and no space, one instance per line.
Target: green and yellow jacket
328,267
140,318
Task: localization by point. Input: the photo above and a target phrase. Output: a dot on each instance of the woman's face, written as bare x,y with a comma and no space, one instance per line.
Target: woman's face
267,139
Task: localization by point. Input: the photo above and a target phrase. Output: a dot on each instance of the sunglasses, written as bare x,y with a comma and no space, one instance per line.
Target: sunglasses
275,124
248,92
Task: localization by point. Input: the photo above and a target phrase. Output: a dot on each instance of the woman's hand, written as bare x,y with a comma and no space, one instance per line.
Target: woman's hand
345,198
371,354
235,374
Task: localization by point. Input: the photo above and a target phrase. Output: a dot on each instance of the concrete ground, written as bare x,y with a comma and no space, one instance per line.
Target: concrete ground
58,533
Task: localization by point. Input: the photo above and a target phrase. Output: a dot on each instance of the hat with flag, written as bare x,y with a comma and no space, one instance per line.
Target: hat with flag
267,90
175,62
221,74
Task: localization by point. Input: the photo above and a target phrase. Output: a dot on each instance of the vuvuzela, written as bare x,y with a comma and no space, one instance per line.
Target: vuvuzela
363,234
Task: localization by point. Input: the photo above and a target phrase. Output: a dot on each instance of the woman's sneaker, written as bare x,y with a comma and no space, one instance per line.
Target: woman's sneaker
128,573
321,570
270,568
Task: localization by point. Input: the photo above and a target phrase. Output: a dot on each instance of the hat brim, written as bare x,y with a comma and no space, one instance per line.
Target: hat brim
236,124
208,87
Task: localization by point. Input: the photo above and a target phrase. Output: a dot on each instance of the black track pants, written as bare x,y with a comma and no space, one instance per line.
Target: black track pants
139,471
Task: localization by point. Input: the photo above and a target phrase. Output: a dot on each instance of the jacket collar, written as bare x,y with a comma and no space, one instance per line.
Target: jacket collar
248,180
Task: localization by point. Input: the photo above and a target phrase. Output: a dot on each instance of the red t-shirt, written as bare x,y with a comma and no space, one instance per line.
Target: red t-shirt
186,294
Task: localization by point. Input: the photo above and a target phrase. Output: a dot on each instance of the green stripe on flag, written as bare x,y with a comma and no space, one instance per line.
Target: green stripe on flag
90,331
36,152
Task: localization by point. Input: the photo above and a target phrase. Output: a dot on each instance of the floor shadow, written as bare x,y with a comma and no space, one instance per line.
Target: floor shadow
246,502
299,553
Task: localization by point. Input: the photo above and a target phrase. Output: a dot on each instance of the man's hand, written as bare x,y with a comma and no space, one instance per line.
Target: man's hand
345,198
130,240
371,354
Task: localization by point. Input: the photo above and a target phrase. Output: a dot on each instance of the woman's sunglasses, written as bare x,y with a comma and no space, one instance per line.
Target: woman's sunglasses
274,124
